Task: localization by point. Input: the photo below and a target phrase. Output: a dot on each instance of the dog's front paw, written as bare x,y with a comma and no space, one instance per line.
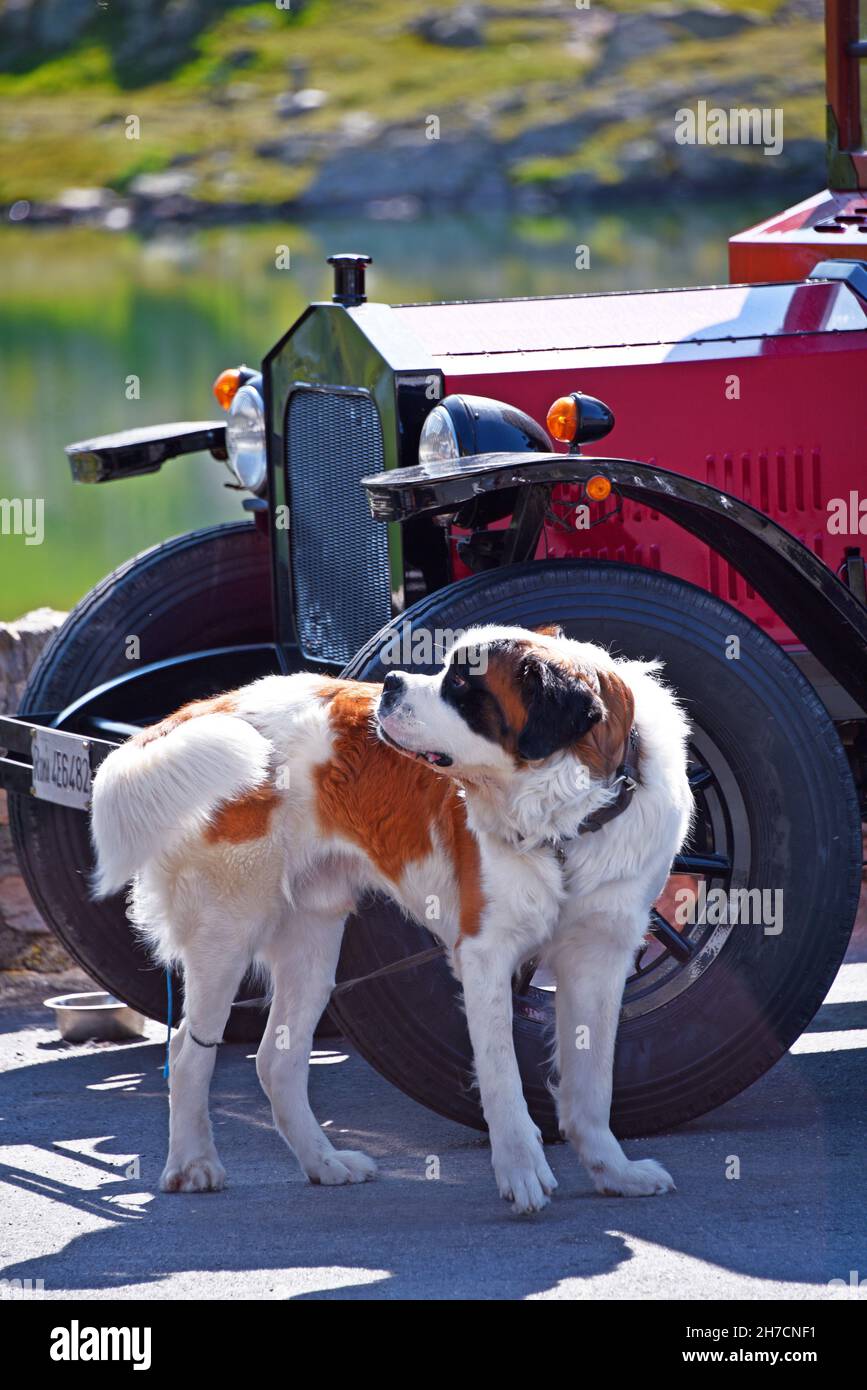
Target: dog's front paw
643,1178
203,1174
341,1166
523,1176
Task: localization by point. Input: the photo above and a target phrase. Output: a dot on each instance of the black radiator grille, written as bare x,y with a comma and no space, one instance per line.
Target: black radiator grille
339,554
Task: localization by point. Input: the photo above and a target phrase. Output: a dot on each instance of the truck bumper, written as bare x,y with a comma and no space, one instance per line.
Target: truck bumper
50,764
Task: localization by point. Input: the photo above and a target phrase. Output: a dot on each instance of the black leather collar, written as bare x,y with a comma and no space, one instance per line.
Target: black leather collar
628,778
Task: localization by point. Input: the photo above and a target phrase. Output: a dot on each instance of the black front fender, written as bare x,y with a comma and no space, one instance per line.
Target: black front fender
823,613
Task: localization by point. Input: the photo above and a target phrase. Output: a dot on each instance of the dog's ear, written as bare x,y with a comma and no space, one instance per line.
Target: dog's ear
603,747
549,630
560,708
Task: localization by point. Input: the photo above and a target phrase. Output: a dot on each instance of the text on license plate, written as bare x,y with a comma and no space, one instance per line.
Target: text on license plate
61,768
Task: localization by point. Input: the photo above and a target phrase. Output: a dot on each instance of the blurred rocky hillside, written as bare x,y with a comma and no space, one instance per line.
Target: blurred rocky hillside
124,111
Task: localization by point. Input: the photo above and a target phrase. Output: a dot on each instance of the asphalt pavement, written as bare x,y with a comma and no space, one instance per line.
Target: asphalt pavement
82,1139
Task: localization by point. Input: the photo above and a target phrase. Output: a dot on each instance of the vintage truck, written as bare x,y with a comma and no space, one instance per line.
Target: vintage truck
398,479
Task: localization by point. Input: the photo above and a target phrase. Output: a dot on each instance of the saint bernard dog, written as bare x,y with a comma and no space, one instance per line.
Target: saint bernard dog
535,786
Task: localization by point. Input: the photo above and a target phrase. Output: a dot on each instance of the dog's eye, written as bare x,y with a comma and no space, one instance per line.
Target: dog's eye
458,682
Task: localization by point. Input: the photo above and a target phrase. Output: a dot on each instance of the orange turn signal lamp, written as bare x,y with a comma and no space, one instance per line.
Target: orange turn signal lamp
563,419
598,488
225,388
577,419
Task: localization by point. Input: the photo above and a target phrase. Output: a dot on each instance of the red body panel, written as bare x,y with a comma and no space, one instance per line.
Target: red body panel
786,435
788,245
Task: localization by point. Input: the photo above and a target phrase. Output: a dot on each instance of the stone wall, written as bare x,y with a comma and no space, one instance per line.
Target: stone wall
26,943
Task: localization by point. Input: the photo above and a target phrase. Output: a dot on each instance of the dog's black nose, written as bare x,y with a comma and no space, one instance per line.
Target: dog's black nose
392,689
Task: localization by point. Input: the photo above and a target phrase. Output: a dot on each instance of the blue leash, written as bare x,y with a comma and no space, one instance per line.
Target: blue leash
169,1014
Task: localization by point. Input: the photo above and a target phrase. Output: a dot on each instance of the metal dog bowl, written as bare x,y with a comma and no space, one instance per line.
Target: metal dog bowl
81,1017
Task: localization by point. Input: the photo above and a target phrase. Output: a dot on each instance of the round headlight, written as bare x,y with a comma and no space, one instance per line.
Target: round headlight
438,441
464,425
245,438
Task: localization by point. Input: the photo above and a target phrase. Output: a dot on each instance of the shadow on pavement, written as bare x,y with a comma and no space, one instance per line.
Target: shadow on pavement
73,1123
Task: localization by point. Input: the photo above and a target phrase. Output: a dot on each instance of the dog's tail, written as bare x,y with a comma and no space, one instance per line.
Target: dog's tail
148,797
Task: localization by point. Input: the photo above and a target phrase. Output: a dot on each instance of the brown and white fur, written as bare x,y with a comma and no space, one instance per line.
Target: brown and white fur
250,825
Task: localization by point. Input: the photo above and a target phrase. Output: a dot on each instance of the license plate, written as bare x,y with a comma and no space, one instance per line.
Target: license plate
61,768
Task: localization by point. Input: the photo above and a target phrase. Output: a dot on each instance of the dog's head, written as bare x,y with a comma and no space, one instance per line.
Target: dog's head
508,698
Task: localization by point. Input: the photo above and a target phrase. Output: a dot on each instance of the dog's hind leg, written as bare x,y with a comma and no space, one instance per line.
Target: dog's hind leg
213,970
303,960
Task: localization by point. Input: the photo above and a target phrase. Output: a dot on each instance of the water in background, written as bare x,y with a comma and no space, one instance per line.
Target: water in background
82,311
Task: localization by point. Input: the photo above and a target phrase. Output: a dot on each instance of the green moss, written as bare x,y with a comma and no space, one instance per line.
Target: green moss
252,180
150,162
87,66
599,157
771,62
